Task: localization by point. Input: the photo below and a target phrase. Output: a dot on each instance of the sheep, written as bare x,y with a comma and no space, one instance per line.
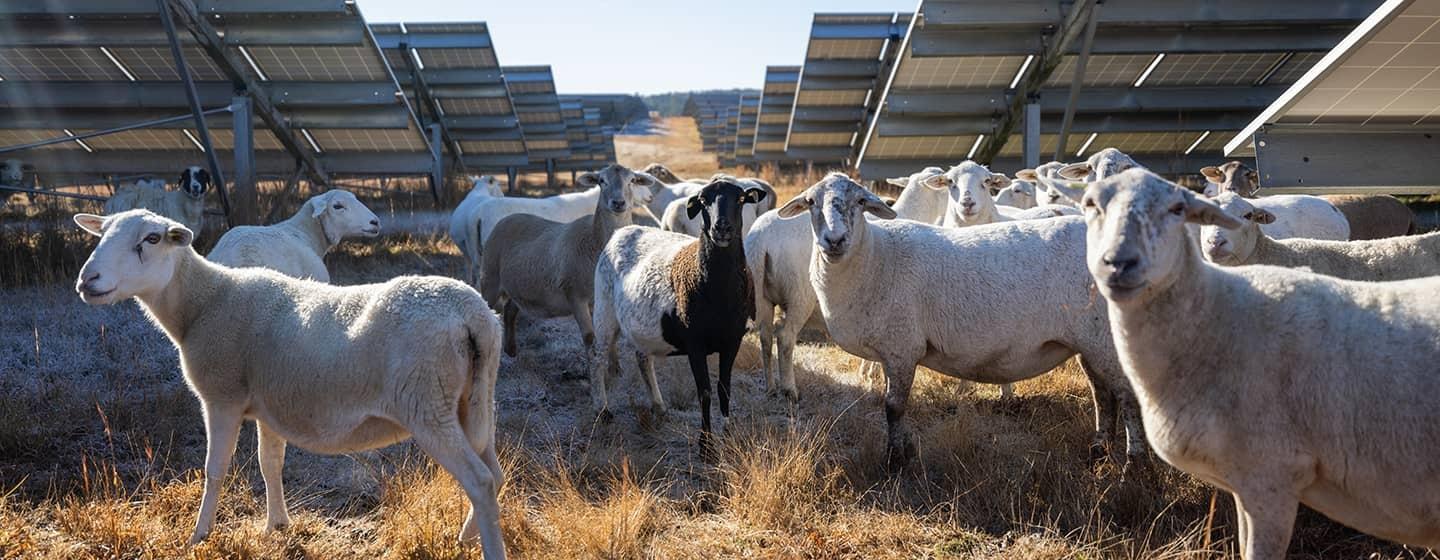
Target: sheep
919,200
547,268
1375,216
1298,215
463,221
1099,165
777,252
187,205
12,174
1234,177
677,218
1020,194
296,247
879,302
969,185
672,294
1305,389
561,208
330,369
1371,260
662,174
1053,192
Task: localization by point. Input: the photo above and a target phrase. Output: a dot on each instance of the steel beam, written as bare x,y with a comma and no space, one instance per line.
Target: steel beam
819,113
1127,40
88,32
1029,13
1170,165
233,68
151,95
895,126
838,68
147,8
1299,160
1091,100
217,175
1031,140
246,201
1077,81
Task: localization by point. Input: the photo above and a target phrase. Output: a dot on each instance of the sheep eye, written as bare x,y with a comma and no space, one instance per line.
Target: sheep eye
152,238
1249,215
338,207
1177,209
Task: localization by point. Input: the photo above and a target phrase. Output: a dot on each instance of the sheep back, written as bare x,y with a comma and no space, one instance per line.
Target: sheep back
1374,217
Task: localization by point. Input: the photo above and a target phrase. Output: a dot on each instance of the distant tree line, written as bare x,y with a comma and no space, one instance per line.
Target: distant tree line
671,104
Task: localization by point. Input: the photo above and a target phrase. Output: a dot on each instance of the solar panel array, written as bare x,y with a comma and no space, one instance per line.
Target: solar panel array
541,117
1377,94
777,99
1166,80
90,66
839,83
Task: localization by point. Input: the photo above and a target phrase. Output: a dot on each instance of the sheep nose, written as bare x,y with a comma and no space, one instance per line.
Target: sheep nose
93,276
375,222
967,203
1122,265
833,240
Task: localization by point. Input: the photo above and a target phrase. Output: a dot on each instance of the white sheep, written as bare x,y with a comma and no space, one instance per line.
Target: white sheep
1395,258
671,294
186,205
1020,194
463,221
12,174
1302,388
560,208
331,369
547,269
296,247
879,301
1099,165
1292,216
777,252
676,217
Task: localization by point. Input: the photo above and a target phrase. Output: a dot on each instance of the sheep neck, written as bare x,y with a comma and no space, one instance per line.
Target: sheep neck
1144,327
602,225
1268,251
310,228
849,272
193,285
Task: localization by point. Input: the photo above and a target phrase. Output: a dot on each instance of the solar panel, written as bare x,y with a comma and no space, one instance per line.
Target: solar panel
1103,70
319,63
156,64
26,136
1235,69
846,57
970,72
70,64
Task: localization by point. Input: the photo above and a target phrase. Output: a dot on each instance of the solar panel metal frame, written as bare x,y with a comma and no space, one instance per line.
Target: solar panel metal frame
478,112
532,89
1376,94
1204,88
369,111
777,99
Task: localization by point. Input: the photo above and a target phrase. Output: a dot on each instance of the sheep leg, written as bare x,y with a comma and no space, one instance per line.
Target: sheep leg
1102,395
790,325
602,359
580,309
899,377
647,371
222,430
448,446
700,370
1269,520
271,449
727,362
1007,392
765,329
1242,523
511,311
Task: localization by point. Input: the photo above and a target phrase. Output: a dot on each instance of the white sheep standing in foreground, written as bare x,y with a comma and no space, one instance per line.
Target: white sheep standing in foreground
1303,389
1395,258
464,218
777,252
331,369
876,285
296,247
186,205
676,218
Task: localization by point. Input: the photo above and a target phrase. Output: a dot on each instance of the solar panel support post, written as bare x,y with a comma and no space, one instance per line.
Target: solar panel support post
1032,133
183,70
247,200
1077,82
550,173
510,177
437,169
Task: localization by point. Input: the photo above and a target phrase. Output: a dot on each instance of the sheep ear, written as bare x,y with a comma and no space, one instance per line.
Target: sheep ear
1075,171
693,206
588,180
1213,173
874,205
1262,216
322,203
91,223
1204,212
997,181
1026,174
899,181
644,180
180,235
794,207
753,196
934,182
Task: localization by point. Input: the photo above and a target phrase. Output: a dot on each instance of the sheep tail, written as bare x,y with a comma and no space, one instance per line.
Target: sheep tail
484,359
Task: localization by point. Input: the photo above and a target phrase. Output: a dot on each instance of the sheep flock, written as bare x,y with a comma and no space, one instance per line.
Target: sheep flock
1283,349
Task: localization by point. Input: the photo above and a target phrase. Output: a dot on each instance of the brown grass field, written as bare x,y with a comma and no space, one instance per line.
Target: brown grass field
101,446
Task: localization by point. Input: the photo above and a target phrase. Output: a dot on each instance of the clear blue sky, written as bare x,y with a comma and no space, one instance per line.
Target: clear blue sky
639,46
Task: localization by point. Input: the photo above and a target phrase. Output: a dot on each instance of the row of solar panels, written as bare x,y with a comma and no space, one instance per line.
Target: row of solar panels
362,99
1170,81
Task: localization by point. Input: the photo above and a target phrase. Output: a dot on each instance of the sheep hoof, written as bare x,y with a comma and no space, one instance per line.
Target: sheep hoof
197,538
510,349
792,395
708,450
899,456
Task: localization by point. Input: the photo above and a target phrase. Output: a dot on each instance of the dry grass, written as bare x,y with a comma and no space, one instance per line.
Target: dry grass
101,445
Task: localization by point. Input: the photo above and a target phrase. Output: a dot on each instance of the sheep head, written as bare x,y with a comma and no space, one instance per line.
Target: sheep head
135,257
720,203
1234,246
621,188
342,215
1104,163
836,206
1136,242
969,185
1233,177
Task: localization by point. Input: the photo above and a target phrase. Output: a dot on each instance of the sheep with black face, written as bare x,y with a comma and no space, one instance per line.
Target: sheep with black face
670,294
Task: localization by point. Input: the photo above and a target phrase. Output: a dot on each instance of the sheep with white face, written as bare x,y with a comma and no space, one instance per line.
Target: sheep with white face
296,247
